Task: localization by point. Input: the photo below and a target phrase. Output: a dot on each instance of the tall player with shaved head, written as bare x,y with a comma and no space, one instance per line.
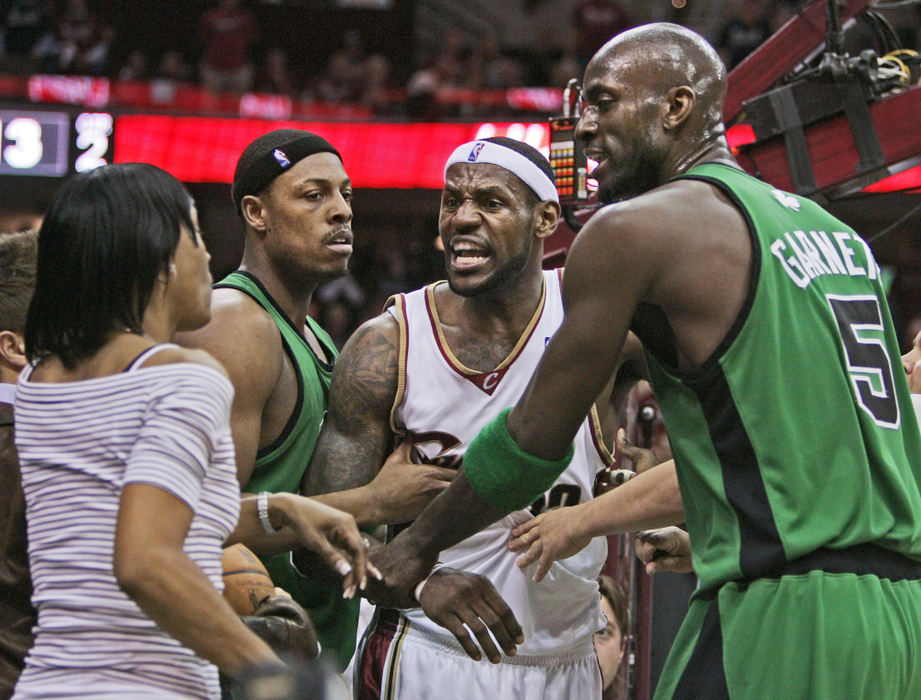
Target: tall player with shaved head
773,357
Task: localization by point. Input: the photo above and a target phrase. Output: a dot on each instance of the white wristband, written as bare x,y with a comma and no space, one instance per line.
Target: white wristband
419,586
262,510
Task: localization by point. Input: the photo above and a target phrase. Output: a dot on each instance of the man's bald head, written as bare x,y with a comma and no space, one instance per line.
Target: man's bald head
664,56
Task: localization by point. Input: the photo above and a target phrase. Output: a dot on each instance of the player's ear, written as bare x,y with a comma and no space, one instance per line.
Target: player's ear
13,349
546,218
253,212
681,101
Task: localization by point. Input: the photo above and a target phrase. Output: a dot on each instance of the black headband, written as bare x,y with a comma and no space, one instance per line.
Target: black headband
266,167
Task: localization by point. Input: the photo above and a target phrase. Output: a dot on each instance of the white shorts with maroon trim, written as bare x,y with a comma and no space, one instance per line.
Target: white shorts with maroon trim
401,661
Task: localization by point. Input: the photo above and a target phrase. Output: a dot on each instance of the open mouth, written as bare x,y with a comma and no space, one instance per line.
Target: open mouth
466,255
597,160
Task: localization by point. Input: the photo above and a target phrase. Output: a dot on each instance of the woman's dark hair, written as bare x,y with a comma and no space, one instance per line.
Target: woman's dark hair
107,236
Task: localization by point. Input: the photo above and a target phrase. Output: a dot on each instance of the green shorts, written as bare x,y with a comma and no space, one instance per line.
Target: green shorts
814,636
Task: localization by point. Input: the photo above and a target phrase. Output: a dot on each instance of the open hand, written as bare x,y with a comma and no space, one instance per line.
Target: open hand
664,549
548,537
454,598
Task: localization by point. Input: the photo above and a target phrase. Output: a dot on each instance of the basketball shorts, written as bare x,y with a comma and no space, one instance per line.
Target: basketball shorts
812,636
402,661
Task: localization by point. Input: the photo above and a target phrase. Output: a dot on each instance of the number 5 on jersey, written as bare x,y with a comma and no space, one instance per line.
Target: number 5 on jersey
868,359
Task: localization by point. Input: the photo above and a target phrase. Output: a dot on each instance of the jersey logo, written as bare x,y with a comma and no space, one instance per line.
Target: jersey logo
488,381
559,496
443,442
787,200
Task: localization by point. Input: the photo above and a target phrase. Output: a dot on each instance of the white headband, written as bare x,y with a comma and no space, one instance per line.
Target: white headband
517,164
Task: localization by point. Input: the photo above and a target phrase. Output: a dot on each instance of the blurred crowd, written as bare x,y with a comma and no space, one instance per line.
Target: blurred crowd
232,54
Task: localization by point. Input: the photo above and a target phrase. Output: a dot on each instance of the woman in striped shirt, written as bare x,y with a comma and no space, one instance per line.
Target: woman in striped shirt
127,457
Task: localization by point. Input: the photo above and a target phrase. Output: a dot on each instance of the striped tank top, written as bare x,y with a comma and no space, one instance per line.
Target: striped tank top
79,443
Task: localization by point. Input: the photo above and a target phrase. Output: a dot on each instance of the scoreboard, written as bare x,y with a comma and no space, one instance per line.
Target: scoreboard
58,143
54,143
69,140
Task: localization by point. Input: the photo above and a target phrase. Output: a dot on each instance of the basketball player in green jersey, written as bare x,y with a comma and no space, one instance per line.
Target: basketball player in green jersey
669,548
294,196
773,357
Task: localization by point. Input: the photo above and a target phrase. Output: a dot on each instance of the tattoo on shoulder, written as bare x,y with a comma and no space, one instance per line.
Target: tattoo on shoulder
356,435
365,379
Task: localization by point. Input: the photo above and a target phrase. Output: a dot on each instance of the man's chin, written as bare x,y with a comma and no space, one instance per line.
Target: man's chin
469,286
462,287
609,193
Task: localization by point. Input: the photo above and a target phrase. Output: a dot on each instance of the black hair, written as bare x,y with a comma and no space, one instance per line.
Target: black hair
107,236
529,152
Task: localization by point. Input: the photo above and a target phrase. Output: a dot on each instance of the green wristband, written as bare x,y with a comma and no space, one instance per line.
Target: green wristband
504,475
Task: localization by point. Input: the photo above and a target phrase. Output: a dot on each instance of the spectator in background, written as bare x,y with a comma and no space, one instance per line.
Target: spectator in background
747,28
611,642
338,80
448,69
489,67
135,67
84,41
228,32
273,74
340,301
172,67
17,616
24,23
565,68
342,79
375,88
595,22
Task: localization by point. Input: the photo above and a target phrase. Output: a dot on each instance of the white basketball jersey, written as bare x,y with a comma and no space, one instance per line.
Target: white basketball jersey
440,407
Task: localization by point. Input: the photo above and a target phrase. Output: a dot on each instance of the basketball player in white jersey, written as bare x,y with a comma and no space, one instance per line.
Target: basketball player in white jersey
435,367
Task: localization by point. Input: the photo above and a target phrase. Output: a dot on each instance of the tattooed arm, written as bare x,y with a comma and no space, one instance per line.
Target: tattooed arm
356,437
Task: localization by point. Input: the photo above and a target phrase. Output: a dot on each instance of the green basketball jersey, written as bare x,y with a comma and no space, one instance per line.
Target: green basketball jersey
798,433
281,465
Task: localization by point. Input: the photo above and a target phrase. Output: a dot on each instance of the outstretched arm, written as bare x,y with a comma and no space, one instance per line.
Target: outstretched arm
650,499
345,471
